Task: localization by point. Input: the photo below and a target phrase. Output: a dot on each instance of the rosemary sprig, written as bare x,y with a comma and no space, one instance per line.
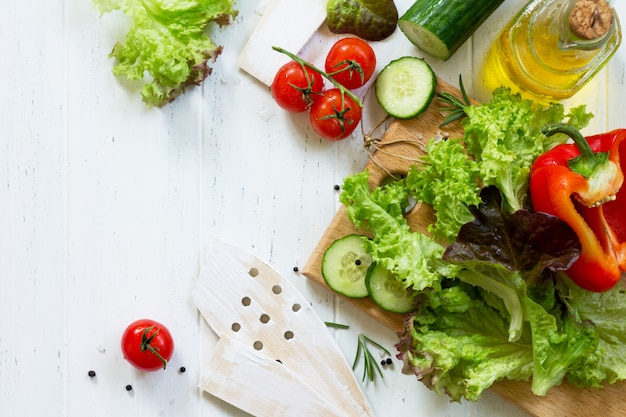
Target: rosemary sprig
456,106
336,325
370,364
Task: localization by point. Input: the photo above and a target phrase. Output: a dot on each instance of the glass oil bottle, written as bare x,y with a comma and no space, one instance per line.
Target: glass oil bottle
552,48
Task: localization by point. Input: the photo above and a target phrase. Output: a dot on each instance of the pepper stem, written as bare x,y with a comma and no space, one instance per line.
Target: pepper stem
588,161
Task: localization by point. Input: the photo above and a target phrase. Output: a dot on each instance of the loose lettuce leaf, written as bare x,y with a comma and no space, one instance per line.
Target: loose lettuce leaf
560,344
372,20
607,311
167,47
448,181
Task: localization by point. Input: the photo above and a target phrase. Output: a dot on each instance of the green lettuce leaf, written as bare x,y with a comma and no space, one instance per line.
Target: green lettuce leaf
560,344
607,311
447,180
167,47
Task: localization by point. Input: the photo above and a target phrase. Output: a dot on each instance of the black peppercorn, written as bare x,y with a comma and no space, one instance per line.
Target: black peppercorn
295,269
389,361
357,262
337,187
91,374
182,369
129,387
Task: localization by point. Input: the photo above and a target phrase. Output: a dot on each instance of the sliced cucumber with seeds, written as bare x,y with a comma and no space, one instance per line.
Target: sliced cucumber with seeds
405,87
388,292
345,264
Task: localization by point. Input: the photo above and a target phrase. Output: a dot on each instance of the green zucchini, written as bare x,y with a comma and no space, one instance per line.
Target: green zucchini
440,27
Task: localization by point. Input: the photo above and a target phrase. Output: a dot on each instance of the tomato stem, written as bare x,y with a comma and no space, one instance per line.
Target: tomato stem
145,344
350,65
308,90
340,115
324,74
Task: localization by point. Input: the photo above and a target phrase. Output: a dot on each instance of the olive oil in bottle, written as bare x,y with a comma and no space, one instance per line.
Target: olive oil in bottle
552,48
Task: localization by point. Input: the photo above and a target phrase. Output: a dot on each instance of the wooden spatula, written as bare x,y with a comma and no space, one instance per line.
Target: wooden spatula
260,385
271,339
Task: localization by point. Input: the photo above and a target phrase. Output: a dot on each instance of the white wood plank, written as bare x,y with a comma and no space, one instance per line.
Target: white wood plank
33,294
133,209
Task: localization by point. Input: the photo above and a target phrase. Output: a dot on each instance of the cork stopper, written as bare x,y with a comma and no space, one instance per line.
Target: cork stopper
591,19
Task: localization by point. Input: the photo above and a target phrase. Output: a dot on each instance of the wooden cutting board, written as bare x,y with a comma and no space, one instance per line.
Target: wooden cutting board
396,156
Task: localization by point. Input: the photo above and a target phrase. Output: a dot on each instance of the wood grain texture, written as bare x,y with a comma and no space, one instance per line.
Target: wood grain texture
562,401
257,384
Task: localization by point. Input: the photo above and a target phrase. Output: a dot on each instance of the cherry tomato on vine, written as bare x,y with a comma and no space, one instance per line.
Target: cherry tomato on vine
294,89
351,62
147,345
334,115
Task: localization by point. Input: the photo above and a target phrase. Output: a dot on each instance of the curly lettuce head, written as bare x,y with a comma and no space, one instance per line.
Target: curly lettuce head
167,46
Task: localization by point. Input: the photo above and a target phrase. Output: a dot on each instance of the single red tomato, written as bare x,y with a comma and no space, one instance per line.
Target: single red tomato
147,345
334,115
295,89
351,62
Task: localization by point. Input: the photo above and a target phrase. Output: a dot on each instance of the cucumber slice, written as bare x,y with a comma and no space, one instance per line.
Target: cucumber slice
389,293
345,264
405,87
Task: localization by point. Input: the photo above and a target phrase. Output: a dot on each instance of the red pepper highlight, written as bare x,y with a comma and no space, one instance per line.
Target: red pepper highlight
593,202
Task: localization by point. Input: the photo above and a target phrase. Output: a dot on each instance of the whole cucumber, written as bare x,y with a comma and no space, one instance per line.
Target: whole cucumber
440,27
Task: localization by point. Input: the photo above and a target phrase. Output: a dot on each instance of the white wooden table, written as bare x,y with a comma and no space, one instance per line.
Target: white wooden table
107,208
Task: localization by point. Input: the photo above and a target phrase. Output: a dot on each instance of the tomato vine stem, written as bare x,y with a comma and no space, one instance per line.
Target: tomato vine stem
145,344
344,90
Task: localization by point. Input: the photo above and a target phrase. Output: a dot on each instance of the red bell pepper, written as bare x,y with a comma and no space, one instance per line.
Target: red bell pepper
581,183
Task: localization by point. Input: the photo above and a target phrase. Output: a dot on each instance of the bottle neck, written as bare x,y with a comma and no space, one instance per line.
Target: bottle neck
585,24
